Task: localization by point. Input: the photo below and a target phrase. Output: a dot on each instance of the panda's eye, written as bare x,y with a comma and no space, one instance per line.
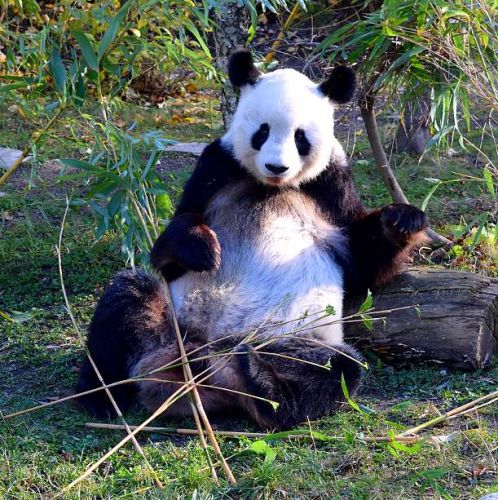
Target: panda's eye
260,136
302,143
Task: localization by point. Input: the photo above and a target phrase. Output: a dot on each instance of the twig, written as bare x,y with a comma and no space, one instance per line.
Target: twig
257,435
189,378
92,362
456,412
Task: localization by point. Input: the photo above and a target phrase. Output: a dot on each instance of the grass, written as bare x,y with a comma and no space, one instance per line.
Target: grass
43,452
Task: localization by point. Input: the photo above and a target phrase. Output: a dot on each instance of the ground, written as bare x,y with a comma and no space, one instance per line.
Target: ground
40,352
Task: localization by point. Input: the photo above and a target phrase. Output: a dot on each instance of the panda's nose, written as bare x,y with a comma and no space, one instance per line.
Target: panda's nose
276,169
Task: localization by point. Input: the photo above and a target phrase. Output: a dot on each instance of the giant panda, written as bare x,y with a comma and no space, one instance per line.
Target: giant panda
268,237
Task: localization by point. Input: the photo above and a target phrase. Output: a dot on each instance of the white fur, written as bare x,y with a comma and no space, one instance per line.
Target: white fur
286,100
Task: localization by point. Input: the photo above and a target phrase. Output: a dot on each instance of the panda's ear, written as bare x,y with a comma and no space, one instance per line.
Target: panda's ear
241,69
340,85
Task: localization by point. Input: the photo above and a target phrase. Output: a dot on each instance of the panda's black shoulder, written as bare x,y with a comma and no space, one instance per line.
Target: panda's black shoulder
216,168
335,192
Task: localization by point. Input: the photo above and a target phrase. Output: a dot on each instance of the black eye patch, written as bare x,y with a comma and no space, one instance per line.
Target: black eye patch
260,136
302,143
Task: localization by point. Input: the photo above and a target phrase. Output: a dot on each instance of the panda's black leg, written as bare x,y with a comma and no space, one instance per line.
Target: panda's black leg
302,377
131,318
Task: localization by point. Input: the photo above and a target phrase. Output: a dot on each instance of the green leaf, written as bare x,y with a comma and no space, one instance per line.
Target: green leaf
191,27
488,177
345,391
429,196
113,30
367,321
87,49
263,448
16,316
57,69
330,310
367,303
80,164
164,205
115,203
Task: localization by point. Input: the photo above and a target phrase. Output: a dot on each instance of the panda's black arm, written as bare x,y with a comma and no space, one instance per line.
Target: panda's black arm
379,243
188,243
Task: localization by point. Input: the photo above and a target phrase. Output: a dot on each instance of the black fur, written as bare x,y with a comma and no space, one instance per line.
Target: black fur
241,69
302,144
340,85
301,389
186,244
131,318
260,136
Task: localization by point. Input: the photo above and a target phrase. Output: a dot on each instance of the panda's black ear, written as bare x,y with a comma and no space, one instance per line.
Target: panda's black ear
241,69
339,86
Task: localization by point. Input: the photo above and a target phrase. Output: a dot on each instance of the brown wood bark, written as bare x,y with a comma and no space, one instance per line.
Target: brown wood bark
230,33
457,322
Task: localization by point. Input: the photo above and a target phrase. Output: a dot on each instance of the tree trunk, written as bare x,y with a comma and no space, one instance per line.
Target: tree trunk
368,115
413,131
230,33
455,322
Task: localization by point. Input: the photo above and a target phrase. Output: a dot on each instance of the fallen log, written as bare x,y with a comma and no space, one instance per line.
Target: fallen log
454,320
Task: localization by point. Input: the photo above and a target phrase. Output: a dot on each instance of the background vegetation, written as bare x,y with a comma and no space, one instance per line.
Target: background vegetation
94,92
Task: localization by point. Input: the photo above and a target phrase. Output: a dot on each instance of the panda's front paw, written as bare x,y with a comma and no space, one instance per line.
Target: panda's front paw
200,251
189,243
401,221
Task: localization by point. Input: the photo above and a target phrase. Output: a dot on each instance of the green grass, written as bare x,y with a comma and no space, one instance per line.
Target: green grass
44,451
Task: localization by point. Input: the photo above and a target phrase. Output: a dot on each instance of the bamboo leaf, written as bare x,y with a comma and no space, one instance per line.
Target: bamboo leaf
57,69
429,196
367,303
488,177
113,30
87,49
345,391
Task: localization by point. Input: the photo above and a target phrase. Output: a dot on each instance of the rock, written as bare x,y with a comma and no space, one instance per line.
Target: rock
193,148
8,156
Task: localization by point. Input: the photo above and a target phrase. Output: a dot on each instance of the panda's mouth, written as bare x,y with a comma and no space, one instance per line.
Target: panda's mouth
275,180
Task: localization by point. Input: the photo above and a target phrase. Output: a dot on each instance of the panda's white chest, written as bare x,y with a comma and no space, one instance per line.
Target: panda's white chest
276,267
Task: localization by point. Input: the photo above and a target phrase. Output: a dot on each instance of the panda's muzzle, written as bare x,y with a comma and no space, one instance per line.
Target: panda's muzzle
276,169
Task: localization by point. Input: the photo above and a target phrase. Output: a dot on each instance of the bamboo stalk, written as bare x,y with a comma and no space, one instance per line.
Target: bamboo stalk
256,435
281,36
181,392
392,184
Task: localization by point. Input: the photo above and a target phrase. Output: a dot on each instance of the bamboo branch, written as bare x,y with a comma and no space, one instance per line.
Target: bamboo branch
456,412
189,377
256,435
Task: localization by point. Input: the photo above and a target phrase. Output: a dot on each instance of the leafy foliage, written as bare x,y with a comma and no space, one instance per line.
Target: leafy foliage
411,46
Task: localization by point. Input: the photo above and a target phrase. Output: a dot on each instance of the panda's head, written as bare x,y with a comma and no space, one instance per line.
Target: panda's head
283,129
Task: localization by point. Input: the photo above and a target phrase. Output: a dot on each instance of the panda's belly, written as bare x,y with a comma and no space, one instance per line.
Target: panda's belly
276,267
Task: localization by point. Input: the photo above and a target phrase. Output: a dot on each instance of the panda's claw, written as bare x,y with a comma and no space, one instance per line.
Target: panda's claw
403,218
